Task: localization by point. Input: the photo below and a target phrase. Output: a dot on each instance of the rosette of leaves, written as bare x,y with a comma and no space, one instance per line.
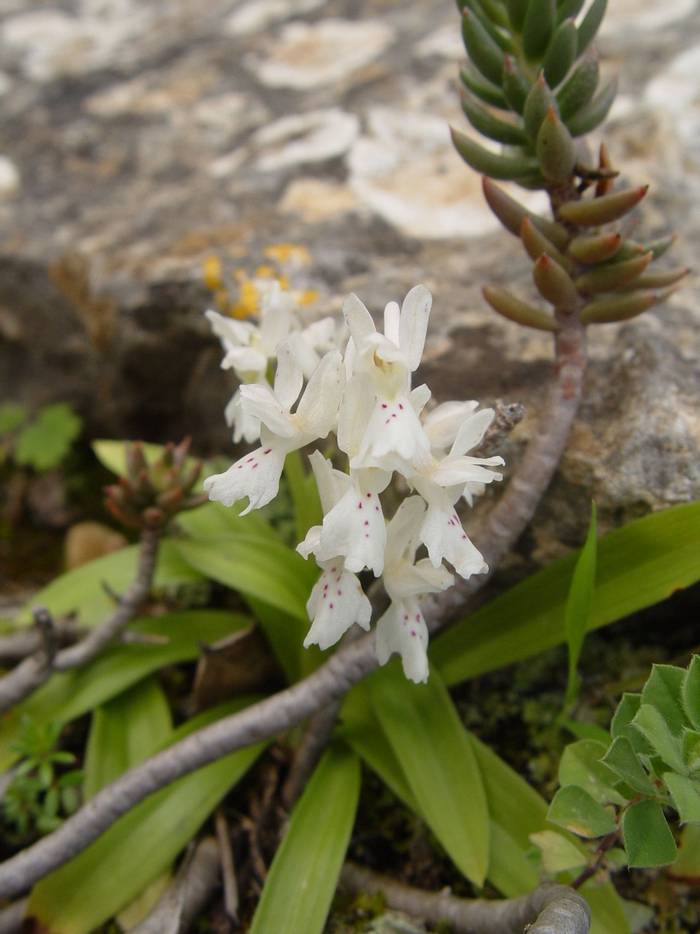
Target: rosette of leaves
532,84
621,795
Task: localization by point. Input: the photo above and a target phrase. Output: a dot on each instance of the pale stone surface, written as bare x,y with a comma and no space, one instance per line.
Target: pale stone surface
137,139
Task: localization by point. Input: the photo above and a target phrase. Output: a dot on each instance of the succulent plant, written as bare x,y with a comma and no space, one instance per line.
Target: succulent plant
532,84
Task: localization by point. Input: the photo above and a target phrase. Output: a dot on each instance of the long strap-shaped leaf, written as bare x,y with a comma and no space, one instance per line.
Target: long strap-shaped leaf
304,873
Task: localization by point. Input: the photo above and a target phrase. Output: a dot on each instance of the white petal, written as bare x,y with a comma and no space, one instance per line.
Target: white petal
304,353
331,483
394,439
415,312
472,431
358,320
311,542
229,329
392,316
472,489
402,630
275,319
442,424
445,539
336,603
256,475
420,396
454,471
415,580
317,411
246,361
355,530
288,377
358,399
403,529
259,400
245,426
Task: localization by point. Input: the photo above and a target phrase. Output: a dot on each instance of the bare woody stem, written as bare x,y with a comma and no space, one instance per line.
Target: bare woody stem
35,670
548,909
332,680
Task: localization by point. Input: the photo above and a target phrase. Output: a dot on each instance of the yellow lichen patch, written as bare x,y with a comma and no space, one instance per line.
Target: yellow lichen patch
248,301
307,297
211,273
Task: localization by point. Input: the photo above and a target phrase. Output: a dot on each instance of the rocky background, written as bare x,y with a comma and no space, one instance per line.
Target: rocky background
138,139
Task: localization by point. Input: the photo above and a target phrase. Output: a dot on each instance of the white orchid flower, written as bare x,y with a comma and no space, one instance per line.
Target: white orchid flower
257,475
402,628
336,603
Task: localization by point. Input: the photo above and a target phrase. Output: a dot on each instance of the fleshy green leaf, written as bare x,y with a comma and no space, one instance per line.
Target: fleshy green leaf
591,24
46,440
302,880
623,760
638,565
575,810
578,605
71,694
89,889
84,590
648,839
581,765
428,739
686,796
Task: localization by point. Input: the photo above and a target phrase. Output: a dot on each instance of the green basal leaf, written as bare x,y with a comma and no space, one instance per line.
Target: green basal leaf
304,873
110,873
691,692
46,440
624,762
305,498
212,520
654,728
579,604
663,691
638,565
581,765
429,741
558,852
576,811
648,838
685,793
71,694
84,591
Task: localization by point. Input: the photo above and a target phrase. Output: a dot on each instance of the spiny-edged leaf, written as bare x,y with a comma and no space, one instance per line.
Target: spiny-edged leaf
428,739
46,440
84,590
89,889
575,810
687,865
558,852
590,24
655,729
624,762
648,838
177,637
691,692
304,873
579,603
12,414
663,690
493,164
305,498
124,732
581,765
685,793
638,565
255,566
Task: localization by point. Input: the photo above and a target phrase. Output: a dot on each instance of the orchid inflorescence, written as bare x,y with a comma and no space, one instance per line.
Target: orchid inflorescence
358,385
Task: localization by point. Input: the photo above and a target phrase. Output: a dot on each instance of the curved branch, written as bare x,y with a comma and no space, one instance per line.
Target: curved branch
345,668
550,909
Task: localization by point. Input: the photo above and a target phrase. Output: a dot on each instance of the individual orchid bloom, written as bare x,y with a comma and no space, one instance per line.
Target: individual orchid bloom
336,603
443,422
402,628
246,427
257,475
353,524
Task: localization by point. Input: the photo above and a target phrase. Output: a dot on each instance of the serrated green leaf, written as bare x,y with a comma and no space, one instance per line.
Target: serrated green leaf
71,694
685,793
654,728
623,760
663,690
648,839
581,765
12,414
428,739
690,692
638,565
579,603
105,877
124,732
303,876
46,440
558,852
576,811
84,590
